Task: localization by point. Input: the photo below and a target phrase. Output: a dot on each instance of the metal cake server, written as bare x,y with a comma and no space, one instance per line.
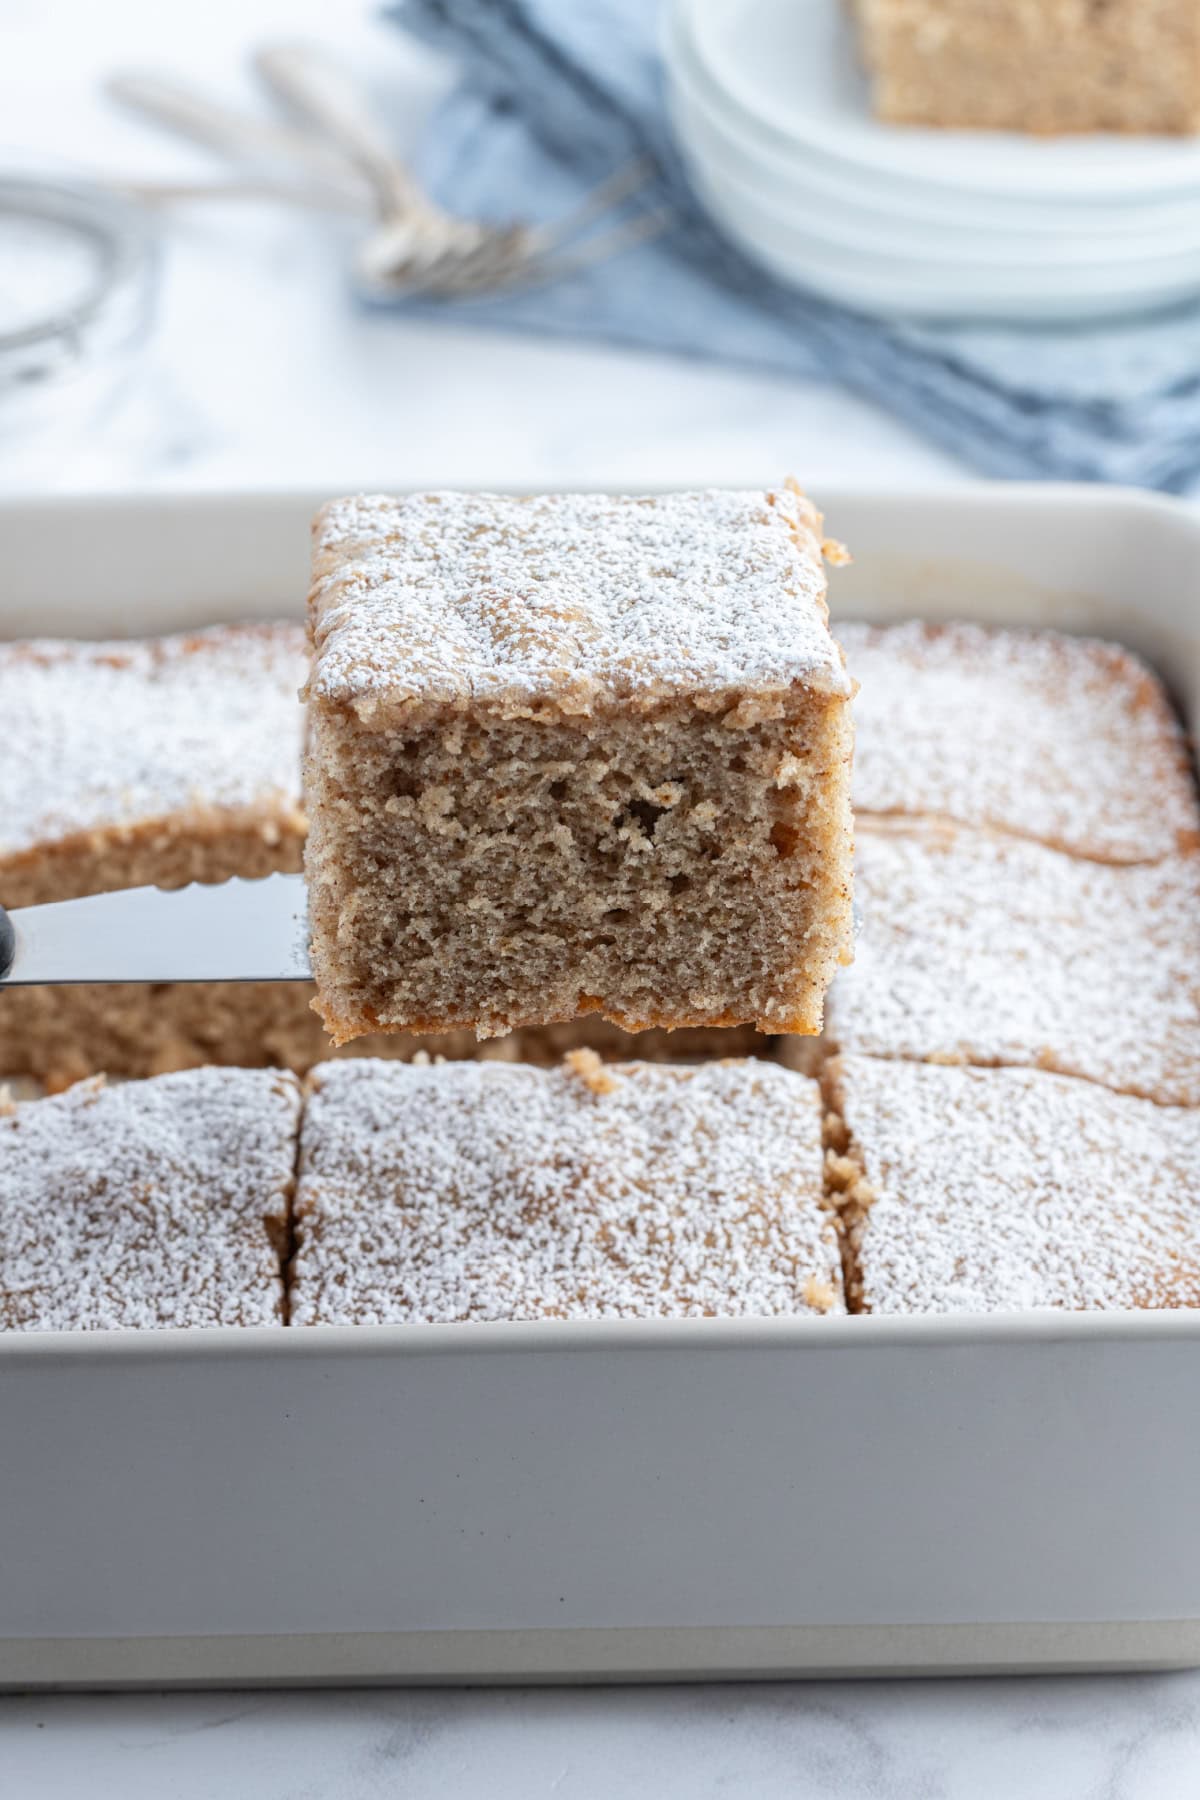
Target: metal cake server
234,931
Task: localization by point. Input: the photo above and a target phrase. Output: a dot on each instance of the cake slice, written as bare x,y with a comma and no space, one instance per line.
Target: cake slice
1067,740
995,950
150,762
575,754
455,1191
983,1190
1049,66
151,1203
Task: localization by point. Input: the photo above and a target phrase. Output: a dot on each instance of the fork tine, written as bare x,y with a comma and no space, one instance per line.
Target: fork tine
457,281
626,181
541,269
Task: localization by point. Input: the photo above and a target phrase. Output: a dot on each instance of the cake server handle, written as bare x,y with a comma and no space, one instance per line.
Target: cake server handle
235,931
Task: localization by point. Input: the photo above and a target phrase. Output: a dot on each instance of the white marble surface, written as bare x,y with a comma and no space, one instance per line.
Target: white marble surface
1135,1738
260,374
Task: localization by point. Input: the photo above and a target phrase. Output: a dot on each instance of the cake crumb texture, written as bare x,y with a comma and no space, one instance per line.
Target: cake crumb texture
1045,66
497,1191
156,1203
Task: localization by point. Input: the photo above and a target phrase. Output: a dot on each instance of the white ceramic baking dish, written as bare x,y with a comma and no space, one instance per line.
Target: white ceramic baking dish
608,1501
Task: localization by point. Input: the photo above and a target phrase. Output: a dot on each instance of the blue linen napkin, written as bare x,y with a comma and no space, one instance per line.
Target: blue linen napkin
554,95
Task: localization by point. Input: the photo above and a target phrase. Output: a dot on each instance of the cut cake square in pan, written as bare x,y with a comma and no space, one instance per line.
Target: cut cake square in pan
983,1190
573,754
149,1203
985,949
150,762
494,1191
1067,740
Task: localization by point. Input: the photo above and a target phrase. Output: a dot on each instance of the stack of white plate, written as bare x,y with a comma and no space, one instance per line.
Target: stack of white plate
772,114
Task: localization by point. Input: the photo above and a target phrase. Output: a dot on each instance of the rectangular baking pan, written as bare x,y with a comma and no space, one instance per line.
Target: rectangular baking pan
608,1501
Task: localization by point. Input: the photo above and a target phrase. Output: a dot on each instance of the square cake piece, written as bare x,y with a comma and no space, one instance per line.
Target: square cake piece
575,754
151,1203
1068,740
1047,66
150,762
455,1191
983,1190
984,949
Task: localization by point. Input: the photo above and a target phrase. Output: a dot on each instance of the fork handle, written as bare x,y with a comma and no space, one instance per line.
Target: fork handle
237,136
329,99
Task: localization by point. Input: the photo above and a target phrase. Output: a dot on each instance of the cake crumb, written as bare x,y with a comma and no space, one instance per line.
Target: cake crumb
819,1294
591,1070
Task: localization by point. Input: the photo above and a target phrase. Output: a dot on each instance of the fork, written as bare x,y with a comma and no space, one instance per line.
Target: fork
415,247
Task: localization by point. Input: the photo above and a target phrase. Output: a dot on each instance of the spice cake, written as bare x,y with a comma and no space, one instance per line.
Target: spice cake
468,1190
170,760
575,754
1068,740
977,1190
1034,65
149,763
985,949
150,1203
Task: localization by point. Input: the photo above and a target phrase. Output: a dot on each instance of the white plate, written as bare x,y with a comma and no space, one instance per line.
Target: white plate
793,179
791,66
856,217
956,259
905,288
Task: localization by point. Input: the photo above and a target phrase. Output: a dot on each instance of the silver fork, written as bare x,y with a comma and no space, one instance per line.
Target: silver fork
415,247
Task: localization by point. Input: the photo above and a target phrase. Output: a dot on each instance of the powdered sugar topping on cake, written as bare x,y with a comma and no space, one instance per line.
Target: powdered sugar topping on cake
1068,740
498,1191
568,599
1001,1189
118,735
151,1203
987,949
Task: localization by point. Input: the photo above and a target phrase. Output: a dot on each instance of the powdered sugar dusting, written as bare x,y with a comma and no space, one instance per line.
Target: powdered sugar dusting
152,1203
498,1191
567,599
1068,740
985,949
1009,1189
116,735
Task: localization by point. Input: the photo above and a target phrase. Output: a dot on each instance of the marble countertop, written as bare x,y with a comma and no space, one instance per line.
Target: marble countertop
1060,1738
260,373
